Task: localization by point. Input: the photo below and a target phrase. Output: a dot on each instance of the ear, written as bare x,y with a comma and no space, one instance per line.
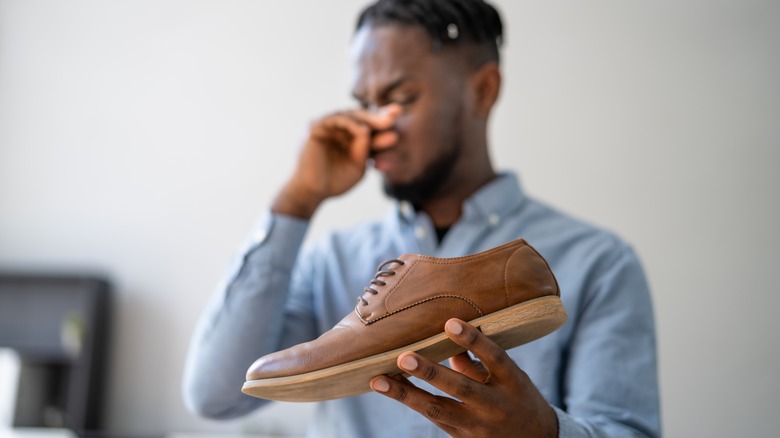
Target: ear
486,83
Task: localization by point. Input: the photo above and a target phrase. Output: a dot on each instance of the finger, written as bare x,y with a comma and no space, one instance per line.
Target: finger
379,120
464,364
439,410
452,382
341,122
357,146
384,140
493,357
361,124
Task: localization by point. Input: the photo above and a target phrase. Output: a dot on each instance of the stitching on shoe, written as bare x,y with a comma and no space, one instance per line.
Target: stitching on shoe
467,258
460,297
412,264
506,272
515,246
439,261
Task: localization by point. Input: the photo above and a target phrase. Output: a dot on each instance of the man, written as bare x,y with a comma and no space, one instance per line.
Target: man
427,76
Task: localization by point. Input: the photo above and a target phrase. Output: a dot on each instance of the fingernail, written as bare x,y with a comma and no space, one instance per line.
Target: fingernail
454,327
380,385
409,363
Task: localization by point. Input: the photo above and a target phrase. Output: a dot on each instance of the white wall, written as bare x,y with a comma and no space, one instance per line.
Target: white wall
140,139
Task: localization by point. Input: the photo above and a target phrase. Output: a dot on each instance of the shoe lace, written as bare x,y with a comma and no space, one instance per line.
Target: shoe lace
377,281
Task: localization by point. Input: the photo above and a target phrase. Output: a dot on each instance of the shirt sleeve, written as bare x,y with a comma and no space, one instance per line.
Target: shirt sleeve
610,385
244,320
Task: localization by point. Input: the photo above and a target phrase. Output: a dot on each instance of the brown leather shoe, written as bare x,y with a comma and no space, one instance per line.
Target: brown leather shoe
508,291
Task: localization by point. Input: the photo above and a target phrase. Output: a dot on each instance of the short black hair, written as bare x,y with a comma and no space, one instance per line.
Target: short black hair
447,22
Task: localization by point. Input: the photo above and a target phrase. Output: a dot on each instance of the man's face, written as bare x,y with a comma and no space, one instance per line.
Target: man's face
396,64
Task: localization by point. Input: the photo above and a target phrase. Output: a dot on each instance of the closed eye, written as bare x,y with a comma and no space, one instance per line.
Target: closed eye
405,100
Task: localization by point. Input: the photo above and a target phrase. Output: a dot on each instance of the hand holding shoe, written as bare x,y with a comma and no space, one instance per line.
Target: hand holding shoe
493,397
509,292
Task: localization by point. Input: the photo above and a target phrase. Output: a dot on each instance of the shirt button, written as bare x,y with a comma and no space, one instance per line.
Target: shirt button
494,219
419,232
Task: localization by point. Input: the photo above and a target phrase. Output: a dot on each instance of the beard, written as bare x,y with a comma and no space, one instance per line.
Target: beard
429,183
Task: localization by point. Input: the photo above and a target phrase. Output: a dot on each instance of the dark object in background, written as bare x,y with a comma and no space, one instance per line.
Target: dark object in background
58,325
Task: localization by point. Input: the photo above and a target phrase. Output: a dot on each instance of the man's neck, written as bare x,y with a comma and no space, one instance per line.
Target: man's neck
445,210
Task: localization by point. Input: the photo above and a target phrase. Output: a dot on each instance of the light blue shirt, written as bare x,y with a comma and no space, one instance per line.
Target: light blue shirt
598,371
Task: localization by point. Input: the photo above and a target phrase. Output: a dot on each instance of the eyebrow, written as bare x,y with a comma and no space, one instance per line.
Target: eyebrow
387,89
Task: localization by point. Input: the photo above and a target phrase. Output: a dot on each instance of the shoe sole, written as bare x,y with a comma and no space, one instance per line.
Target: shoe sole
509,328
